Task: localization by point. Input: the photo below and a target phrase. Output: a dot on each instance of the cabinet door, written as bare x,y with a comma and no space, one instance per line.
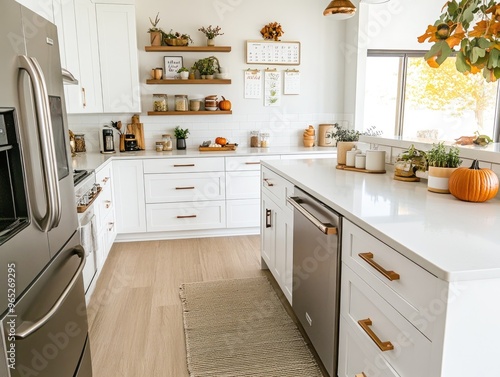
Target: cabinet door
42,8
118,57
129,196
86,97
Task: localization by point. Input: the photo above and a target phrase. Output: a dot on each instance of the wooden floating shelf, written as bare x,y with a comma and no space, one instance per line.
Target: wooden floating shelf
201,112
188,48
189,82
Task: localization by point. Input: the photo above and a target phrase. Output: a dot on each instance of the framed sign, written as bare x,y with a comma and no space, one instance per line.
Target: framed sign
271,52
172,65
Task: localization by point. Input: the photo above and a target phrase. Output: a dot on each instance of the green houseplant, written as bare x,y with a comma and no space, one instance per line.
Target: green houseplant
442,163
184,72
156,34
410,163
207,66
474,27
176,39
211,32
347,138
181,136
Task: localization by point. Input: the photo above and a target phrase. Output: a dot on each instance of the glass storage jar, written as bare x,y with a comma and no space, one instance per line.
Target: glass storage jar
80,143
254,139
181,102
167,142
160,102
264,140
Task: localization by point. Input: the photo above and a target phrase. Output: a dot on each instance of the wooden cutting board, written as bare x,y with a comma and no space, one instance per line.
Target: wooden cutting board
138,130
227,147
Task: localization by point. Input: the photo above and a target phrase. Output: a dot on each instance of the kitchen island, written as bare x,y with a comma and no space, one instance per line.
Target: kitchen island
433,296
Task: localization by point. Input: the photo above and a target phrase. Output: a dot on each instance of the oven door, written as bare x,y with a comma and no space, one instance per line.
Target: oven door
88,240
47,327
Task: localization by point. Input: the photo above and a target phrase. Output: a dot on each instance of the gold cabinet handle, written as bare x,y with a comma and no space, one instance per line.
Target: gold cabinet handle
108,203
105,180
268,183
185,188
365,325
252,163
187,217
183,165
84,94
362,374
111,226
368,258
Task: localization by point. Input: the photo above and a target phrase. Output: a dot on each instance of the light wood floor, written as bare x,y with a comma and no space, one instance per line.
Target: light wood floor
135,314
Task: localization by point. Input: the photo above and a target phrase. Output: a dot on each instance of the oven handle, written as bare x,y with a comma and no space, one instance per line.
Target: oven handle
27,328
326,228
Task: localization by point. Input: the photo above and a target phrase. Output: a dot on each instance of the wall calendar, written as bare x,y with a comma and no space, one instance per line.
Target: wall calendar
271,52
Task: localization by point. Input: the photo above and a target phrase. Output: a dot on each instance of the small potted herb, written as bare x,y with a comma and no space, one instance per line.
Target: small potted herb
176,39
347,138
181,136
411,163
156,34
442,162
184,72
211,33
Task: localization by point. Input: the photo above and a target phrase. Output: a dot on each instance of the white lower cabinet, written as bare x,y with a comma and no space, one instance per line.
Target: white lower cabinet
129,196
277,235
243,213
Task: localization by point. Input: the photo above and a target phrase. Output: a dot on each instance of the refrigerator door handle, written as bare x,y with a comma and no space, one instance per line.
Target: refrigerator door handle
40,93
27,328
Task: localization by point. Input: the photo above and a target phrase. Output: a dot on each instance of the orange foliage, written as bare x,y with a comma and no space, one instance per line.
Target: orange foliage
430,33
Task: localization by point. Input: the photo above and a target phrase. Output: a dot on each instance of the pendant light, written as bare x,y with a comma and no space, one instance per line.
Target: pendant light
340,9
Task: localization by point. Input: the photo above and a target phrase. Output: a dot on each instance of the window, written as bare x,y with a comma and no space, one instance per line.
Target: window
405,97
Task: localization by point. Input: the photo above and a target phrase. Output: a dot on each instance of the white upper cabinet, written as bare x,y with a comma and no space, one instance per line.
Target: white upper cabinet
42,8
118,58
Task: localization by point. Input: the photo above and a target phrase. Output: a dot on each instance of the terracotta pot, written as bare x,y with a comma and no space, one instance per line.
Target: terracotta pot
438,179
342,148
155,37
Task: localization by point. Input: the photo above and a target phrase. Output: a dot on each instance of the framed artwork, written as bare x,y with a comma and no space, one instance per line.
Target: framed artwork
172,65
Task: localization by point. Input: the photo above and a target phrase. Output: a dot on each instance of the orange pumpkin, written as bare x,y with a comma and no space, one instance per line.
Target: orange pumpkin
221,141
225,104
473,184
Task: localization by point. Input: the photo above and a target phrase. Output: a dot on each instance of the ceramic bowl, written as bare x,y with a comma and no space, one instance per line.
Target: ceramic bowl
308,143
211,108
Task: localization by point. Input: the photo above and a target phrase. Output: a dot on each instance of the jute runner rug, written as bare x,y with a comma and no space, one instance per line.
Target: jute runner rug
240,328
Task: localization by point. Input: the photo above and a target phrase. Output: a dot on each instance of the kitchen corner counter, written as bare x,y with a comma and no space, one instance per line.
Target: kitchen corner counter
93,160
451,239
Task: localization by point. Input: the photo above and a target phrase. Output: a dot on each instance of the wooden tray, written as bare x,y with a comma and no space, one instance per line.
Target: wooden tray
406,179
81,209
345,167
227,147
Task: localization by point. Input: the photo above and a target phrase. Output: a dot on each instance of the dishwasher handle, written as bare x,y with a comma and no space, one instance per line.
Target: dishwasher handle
326,228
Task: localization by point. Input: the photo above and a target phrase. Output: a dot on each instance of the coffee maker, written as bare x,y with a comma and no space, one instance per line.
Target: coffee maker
107,141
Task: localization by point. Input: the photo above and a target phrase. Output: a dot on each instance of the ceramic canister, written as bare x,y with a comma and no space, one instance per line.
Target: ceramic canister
360,161
375,160
325,135
350,159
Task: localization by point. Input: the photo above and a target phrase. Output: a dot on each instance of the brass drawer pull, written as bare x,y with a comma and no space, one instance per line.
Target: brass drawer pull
185,188
111,226
362,374
187,217
365,325
252,163
368,258
268,183
108,204
184,166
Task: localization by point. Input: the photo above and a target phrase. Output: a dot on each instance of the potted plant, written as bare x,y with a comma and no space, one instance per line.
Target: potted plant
207,66
211,33
176,39
184,72
442,163
474,27
347,138
156,34
181,136
412,163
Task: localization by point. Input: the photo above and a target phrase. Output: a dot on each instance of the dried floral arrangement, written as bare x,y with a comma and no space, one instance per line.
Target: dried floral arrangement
211,32
272,31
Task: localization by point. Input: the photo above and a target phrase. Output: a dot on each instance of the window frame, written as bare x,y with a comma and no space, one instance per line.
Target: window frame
404,55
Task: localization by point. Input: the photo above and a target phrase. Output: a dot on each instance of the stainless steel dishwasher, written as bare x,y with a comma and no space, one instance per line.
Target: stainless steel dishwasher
316,274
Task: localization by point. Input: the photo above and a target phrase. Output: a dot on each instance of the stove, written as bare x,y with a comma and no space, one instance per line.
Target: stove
80,175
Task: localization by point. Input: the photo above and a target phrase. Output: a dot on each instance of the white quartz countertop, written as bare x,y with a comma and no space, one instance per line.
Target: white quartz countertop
451,239
93,160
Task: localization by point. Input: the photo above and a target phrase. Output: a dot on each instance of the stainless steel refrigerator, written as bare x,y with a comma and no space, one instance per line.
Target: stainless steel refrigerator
43,318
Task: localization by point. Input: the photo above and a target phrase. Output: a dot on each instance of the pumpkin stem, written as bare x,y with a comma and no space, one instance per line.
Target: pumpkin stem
475,165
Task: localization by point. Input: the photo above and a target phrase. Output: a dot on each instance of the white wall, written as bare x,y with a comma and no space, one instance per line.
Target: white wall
322,70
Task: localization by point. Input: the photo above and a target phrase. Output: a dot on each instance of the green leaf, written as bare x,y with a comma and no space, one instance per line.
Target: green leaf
477,52
452,7
497,72
484,43
493,59
435,50
445,53
461,63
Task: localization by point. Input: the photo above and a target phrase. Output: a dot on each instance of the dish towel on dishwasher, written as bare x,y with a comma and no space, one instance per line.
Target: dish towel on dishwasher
88,236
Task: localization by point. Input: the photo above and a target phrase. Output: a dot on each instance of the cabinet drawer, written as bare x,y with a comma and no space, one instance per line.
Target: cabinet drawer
105,202
103,176
171,188
185,216
358,360
183,165
411,294
243,185
243,213
278,187
359,302
247,162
